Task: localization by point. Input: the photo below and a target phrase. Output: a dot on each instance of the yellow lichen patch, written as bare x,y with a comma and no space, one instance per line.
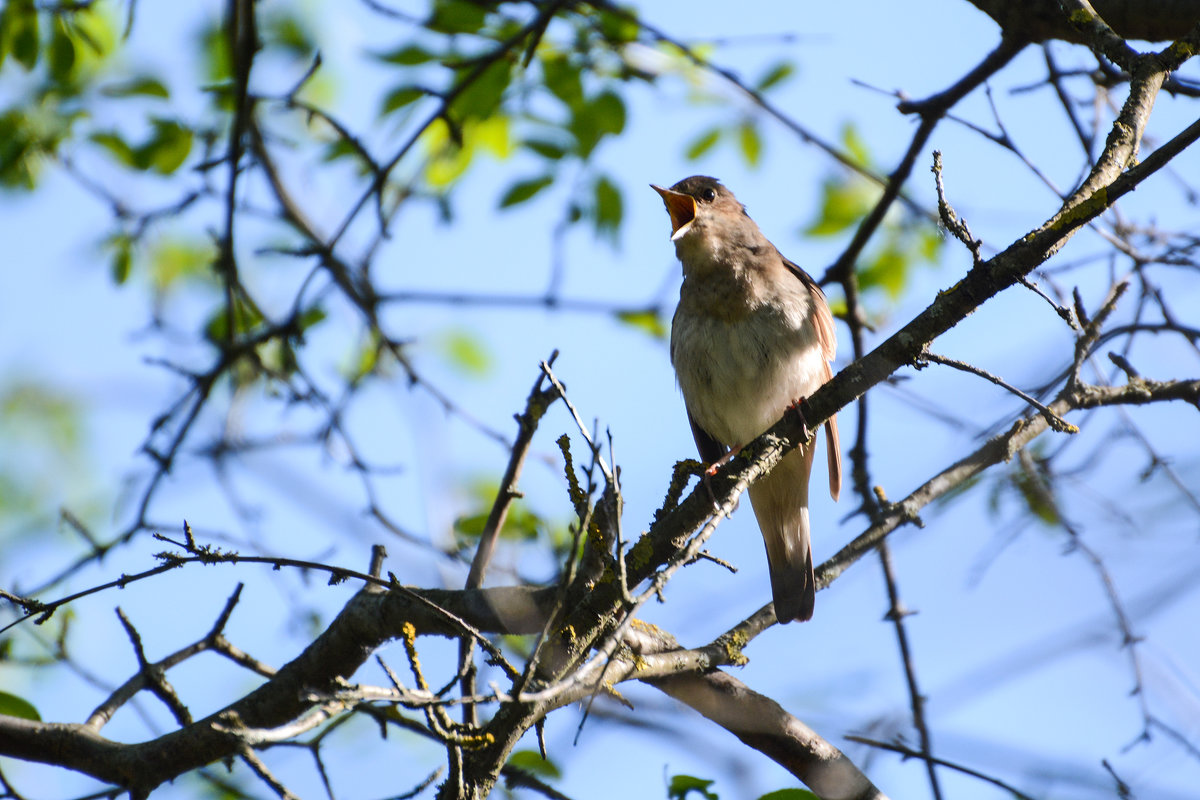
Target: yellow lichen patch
639,554
649,627
409,632
733,644
1082,212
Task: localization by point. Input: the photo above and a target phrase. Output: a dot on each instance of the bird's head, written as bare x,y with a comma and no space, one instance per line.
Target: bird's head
695,202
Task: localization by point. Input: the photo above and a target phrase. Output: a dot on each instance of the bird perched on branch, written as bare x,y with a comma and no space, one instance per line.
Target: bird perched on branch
751,337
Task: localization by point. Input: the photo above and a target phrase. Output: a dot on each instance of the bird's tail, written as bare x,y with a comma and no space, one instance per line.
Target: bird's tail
780,502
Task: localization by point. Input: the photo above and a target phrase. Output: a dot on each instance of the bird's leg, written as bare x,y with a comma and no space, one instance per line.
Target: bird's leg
711,470
799,412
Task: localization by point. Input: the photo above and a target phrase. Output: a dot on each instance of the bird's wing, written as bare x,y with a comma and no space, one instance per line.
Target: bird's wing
710,449
827,337
823,318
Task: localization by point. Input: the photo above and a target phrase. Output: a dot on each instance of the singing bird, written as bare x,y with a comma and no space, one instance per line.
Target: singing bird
751,337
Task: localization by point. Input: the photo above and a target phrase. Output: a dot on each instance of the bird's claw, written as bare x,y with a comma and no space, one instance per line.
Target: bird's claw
799,412
711,470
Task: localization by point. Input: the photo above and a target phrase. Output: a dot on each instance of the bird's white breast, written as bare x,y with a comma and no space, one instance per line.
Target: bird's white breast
741,363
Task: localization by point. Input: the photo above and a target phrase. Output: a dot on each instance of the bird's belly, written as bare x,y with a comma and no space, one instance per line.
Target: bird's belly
738,377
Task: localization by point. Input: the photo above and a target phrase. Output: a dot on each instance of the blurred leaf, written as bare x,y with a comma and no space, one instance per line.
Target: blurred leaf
702,144
775,75
481,97
619,28
246,319
545,149
532,761
493,135
649,321
141,86
18,707
21,32
855,144
214,47
844,201
563,79
167,148
407,55
400,97
289,31
789,794
1033,491
521,524
312,316
683,785
173,259
116,146
466,352
61,54
122,258
601,116
751,142
26,139
888,269
609,209
521,191
456,16
41,413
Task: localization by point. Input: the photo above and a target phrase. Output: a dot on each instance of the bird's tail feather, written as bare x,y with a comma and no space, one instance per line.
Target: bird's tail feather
780,502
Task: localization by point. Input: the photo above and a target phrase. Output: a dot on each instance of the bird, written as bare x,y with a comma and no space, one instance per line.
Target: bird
751,337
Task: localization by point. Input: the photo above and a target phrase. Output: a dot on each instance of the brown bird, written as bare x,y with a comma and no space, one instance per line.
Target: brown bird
751,337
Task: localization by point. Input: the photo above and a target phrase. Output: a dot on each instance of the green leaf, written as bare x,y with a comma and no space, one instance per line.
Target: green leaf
457,16
563,79
609,208
61,54
122,259
532,761
22,32
171,260
216,330
466,352
683,785
116,146
492,134
609,111
167,148
855,144
400,97
407,55
481,97
702,144
144,86
775,75
843,204
314,315
619,28
751,142
521,191
545,149
289,32
604,114
789,794
888,270
15,706
650,322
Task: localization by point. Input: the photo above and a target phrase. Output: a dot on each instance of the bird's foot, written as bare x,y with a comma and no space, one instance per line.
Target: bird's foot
799,412
711,470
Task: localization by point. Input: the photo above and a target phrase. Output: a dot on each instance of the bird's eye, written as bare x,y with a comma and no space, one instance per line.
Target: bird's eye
708,195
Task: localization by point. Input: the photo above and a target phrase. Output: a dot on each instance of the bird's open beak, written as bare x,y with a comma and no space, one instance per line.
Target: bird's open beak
681,207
